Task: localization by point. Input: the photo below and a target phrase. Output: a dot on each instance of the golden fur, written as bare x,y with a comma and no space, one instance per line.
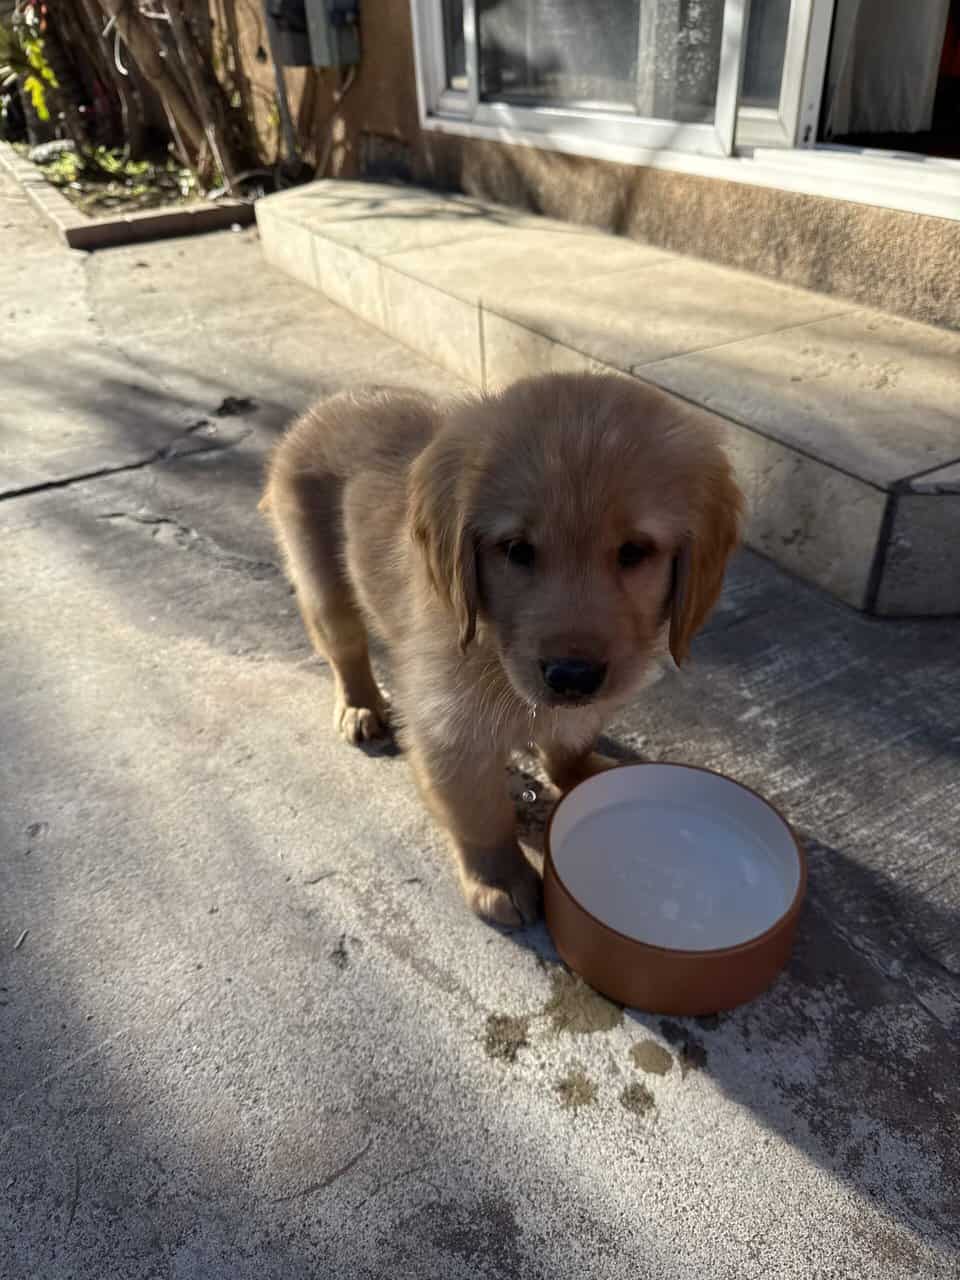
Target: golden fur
573,517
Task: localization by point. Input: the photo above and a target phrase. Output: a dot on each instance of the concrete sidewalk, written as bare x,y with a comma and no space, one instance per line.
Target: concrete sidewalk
251,1031
844,424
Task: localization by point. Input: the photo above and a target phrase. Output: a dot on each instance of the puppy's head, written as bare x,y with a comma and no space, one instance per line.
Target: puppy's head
576,519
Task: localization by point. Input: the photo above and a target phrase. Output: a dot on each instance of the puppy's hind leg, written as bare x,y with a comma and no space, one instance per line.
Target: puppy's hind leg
306,512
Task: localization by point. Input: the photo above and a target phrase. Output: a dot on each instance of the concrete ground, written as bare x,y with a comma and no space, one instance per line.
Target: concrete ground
247,1028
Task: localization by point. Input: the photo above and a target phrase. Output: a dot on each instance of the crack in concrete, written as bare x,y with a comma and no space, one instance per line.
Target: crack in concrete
169,531
166,453
720,623
390,1182
936,996
930,990
64,1069
340,1172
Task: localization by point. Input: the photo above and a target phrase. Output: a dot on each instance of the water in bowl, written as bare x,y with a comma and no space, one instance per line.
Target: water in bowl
674,877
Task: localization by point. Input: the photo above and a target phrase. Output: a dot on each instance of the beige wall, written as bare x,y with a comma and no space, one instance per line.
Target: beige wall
905,263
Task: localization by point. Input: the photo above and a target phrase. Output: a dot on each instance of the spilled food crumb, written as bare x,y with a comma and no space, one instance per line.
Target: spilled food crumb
505,1036
578,1009
576,1090
651,1057
637,1098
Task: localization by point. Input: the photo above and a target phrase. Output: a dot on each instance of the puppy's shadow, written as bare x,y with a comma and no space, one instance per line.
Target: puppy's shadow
387,748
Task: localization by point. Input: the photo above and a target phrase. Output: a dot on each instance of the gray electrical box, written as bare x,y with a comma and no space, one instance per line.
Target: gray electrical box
314,33
334,32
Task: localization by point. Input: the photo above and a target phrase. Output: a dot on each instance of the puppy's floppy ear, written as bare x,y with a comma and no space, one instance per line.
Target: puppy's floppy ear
699,566
438,514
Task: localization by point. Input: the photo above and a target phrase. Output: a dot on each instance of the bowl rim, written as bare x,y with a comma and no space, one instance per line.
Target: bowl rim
781,922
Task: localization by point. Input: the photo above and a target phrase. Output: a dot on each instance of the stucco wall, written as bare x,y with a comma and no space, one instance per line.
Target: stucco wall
901,262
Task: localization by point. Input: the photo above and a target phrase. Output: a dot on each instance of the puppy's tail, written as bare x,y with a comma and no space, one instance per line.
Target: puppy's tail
264,505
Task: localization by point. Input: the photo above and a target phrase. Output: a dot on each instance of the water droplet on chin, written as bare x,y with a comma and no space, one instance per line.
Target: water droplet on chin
528,794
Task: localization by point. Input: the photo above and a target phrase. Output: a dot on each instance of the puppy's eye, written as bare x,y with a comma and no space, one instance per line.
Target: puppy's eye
520,553
633,553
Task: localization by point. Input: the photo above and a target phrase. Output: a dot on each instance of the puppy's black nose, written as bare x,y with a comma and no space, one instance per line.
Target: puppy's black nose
573,677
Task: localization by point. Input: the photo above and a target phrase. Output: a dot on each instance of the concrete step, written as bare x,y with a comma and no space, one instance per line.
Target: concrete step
844,423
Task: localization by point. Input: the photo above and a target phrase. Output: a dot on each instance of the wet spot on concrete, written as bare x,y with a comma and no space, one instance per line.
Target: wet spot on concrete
578,1009
637,1098
505,1036
576,1090
652,1057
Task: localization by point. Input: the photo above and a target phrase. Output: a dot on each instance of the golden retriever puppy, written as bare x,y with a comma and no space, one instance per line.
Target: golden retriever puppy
527,557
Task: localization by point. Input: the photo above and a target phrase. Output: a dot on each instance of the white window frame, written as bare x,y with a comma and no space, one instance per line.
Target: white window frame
773,148
780,126
438,102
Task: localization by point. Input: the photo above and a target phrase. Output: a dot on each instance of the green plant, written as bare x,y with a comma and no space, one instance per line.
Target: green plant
101,179
39,78
21,59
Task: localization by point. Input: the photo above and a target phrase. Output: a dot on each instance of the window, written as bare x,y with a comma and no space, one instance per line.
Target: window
728,88
542,53
652,58
763,60
657,72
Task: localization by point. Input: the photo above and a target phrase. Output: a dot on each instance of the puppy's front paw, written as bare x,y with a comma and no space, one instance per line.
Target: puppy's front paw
361,724
566,771
503,888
